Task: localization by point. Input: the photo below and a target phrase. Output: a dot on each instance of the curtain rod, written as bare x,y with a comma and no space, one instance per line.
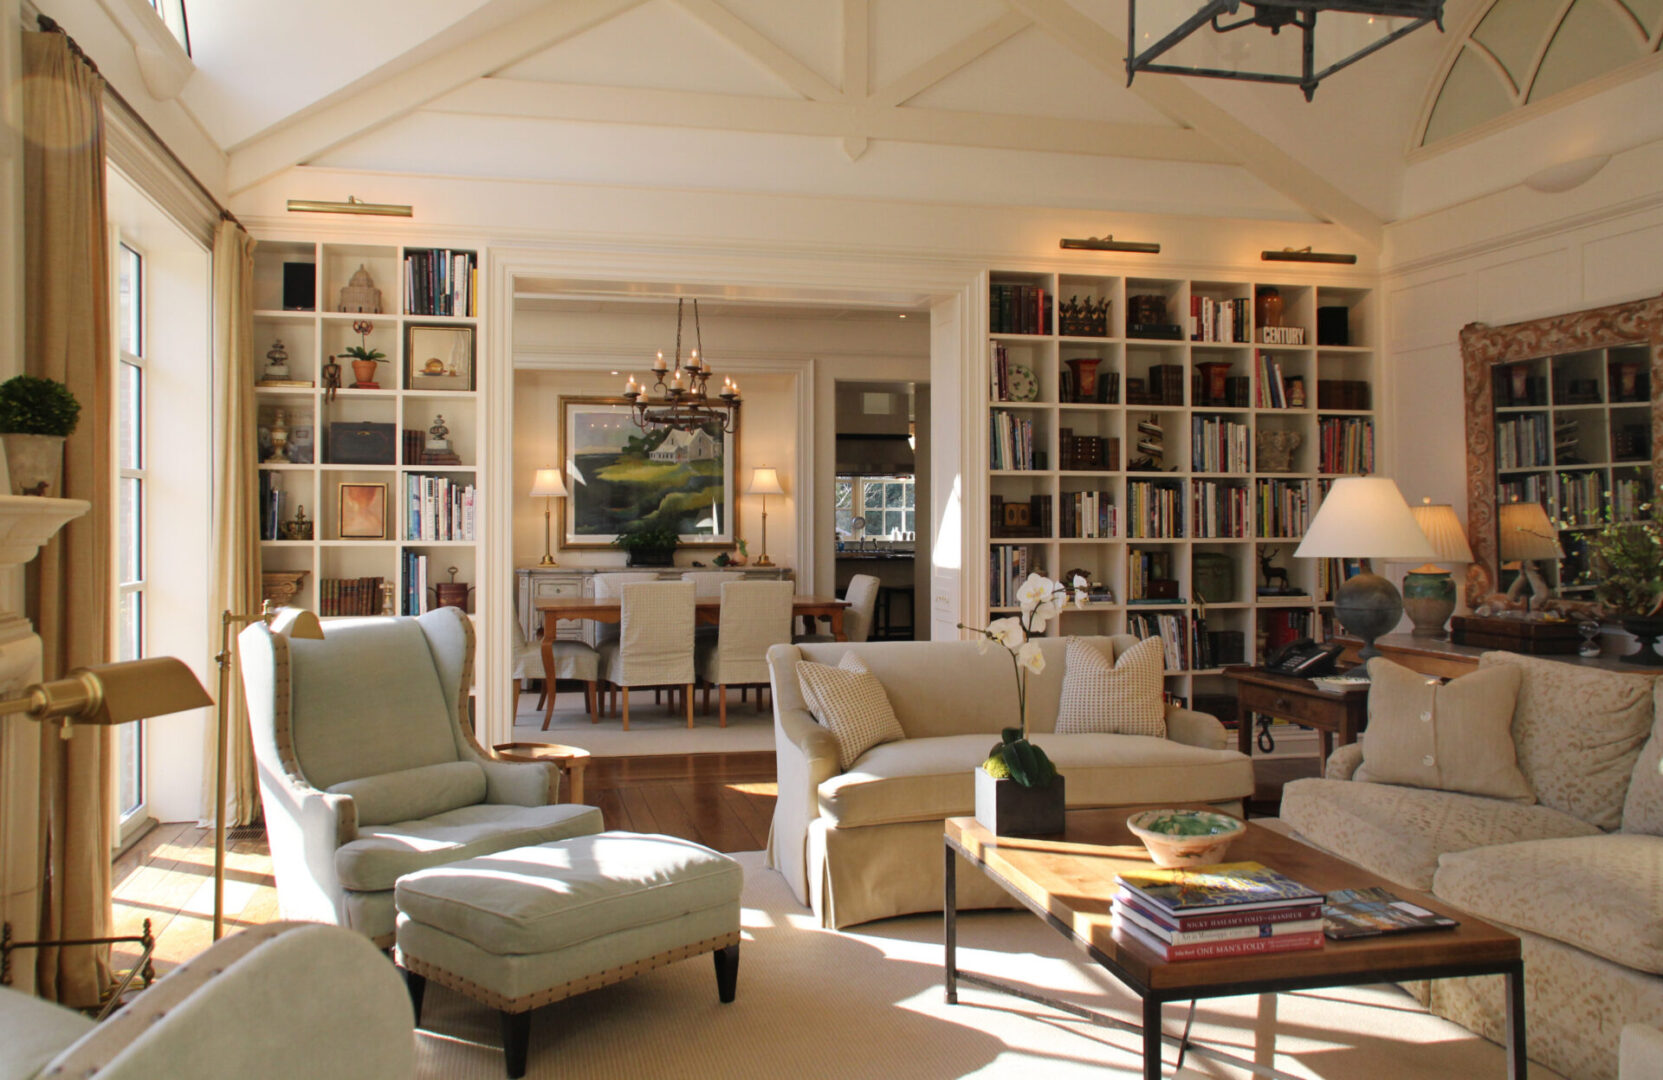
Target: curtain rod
49,25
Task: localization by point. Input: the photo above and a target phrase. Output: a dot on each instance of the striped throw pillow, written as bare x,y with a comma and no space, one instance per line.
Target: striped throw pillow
1122,699
850,702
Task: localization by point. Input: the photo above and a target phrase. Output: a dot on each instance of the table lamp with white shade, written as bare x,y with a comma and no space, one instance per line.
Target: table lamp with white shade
765,481
1429,590
1525,535
549,486
1365,517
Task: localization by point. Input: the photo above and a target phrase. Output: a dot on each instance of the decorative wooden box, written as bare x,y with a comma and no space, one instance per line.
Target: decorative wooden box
1537,638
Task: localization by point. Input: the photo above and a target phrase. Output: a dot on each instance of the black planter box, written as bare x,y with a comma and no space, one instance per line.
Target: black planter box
652,556
359,443
1006,808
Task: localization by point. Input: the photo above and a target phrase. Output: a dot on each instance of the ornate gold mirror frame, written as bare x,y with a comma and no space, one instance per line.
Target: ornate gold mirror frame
1483,347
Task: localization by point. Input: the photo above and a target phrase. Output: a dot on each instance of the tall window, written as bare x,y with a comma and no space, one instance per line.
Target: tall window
884,504
130,463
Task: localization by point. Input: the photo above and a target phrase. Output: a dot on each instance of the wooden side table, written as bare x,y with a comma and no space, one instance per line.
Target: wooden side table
1291,698
569,759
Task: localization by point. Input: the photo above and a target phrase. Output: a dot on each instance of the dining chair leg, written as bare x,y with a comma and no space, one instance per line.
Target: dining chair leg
626,708
589,700
657,696
517,697
759,691
722,702
543,692
687,695
548,709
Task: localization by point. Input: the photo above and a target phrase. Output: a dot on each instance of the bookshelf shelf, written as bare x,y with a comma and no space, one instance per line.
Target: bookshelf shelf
1177,413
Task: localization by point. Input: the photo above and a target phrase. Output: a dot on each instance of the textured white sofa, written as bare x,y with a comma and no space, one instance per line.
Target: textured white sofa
269,1003
866,843
1578,874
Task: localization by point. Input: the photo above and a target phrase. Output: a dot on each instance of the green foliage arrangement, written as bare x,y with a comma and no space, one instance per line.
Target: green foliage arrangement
1014,757
646,538
33,406
1625,562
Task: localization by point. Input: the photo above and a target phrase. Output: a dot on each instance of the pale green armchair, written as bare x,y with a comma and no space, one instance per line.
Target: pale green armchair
269,1003
368,769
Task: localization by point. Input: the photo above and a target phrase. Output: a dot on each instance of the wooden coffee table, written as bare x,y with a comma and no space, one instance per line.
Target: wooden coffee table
1069,882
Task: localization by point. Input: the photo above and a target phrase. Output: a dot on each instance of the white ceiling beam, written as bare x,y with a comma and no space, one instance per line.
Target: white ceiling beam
741,34
857,48
362,107
836,119
1185,105
951,59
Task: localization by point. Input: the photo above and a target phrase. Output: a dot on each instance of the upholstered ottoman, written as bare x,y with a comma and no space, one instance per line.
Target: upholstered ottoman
527,927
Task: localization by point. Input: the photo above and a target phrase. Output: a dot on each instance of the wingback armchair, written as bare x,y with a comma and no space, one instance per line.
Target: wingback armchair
369,770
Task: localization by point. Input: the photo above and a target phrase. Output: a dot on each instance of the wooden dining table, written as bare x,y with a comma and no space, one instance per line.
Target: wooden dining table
707,610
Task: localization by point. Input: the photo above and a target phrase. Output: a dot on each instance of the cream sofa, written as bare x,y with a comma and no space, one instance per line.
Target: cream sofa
866,843
1578,874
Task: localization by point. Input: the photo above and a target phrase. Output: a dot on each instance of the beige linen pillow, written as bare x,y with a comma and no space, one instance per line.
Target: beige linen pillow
1123,699
1643,807
849,701
1454,737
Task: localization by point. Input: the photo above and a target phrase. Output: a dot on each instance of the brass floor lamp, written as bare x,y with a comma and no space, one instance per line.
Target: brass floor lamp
288,621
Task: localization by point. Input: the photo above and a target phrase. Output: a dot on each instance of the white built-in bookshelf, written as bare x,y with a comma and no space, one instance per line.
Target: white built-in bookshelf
429,509
1159,484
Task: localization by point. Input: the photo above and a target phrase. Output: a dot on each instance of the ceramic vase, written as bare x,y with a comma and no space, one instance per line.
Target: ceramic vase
1429,599
36,463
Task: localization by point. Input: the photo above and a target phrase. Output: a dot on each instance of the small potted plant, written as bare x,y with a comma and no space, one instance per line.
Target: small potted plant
649,545
36,415
1625,566
364,358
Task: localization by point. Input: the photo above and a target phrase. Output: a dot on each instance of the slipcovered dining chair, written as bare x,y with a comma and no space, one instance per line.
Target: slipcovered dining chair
707,584
369,769
655,641
572,660
608,587
755,616
862,595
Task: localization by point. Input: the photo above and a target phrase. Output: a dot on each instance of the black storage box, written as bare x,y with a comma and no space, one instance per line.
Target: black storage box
1333,326
300,286
362,443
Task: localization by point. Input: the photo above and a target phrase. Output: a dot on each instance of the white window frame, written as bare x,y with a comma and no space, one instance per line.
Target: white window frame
132,821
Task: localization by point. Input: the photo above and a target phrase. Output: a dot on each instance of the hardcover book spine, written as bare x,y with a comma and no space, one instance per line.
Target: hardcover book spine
1304,921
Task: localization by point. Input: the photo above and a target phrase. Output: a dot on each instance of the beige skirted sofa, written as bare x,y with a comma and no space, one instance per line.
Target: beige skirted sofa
866,843
1577,872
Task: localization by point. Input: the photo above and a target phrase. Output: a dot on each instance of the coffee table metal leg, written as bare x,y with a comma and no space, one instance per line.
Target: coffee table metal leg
950,930
1151,1038
1516,1059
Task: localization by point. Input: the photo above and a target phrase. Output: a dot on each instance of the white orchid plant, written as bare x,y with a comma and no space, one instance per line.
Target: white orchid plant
1039,601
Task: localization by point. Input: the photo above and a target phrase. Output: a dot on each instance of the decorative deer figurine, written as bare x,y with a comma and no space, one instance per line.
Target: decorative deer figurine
1272,574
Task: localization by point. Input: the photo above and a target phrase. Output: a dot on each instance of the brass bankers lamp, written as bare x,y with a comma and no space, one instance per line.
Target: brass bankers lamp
765,481
548,485
288,621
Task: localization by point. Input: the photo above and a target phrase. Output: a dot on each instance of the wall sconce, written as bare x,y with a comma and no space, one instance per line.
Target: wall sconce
353,205
1108,243
1305,254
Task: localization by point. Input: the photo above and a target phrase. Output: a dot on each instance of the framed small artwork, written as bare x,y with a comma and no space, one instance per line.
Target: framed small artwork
363,511
438,357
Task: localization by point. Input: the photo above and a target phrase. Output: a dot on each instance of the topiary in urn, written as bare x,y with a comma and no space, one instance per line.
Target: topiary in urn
36,415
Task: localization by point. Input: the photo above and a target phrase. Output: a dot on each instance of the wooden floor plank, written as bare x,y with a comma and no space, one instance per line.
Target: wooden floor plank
708,813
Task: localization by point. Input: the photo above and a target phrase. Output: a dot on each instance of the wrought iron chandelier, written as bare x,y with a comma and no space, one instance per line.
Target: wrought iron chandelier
682,402
1274,15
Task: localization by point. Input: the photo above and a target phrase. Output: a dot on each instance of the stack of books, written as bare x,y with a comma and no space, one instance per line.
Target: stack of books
1206,912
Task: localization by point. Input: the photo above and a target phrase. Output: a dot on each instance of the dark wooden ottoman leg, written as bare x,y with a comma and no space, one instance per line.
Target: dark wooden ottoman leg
727,972
516,1038
417,985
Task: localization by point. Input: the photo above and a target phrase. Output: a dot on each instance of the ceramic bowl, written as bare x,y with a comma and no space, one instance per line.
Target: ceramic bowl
1185,837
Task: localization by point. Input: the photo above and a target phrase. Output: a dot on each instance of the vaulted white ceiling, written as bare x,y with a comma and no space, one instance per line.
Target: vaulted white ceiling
1002,102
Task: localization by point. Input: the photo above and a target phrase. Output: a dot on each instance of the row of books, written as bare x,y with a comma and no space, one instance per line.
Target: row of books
1273,387
1331,573
1145,565
1008,567
1154,509
439,508
1219,509
417,599
1522,489
1019,519
999,371
1345,445
1581,500
1218,320
414,441
1219,444
1088,515
1105,392
271,505
1164,386
1283,507
1018,309
1010,441
1176,632
1523,442
440,281
1628,493
351,596
1083,452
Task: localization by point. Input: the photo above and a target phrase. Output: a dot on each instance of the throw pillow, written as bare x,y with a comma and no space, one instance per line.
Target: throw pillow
1454,737
1643,807
1119,699
849,701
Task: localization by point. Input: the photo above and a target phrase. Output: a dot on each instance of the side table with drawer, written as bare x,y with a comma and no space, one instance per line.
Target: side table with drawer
1291,698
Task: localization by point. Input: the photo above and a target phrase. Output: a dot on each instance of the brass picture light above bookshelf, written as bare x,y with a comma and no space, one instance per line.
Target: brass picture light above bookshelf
1108,243
353,205
1305,254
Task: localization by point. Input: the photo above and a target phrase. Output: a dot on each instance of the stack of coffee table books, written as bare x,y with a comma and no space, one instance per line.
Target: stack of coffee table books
1229,909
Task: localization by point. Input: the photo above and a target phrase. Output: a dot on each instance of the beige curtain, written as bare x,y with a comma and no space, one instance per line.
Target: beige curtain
67,338
236,513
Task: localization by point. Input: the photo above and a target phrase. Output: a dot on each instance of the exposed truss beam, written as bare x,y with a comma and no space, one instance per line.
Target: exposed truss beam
837,119
955,56
1185,105
857,64
748,38
360,108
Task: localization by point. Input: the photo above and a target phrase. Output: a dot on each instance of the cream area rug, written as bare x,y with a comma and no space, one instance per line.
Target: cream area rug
653,729
867,1002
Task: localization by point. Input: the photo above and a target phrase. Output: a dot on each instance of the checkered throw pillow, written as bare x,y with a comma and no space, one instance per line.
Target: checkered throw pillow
1124,699
850,701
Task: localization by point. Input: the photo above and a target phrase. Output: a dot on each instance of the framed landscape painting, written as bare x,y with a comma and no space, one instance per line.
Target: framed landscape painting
620,477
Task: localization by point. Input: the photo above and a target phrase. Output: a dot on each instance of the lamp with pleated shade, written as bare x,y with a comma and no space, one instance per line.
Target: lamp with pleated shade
1365,517
1429,590
1525,536
765,481
549,487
